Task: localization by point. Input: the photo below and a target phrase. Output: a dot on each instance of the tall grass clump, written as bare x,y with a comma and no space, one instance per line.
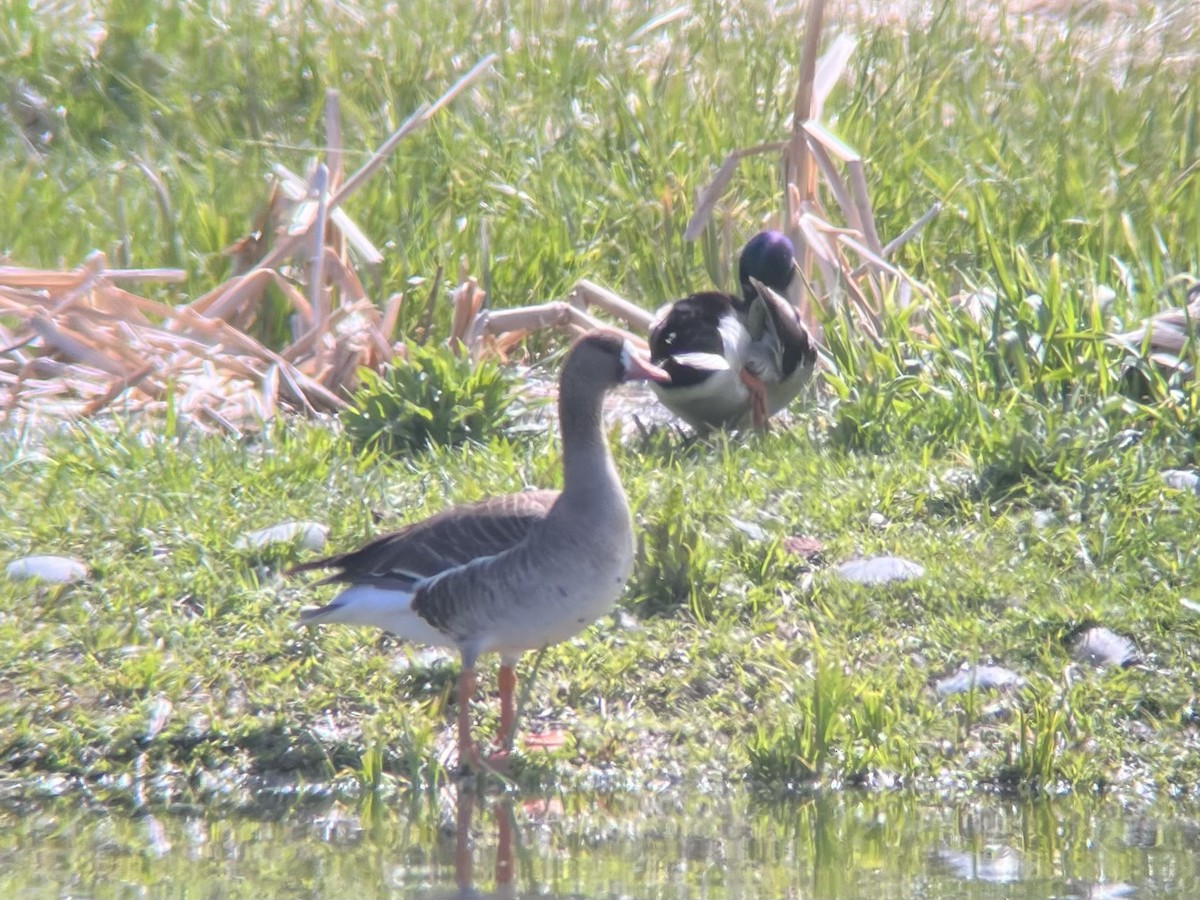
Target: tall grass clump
1065,214
434,396
677,569
799,749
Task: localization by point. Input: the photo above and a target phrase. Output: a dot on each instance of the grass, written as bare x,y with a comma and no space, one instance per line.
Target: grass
1005,453
431,397
754,672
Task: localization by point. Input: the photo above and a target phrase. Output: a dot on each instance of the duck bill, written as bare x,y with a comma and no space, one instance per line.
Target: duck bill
638,368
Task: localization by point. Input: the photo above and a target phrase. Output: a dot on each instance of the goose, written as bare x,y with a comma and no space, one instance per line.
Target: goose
510,573
733,358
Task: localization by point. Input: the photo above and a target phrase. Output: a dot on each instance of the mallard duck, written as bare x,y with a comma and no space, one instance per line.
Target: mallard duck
782,353
511,573
730,358
701,342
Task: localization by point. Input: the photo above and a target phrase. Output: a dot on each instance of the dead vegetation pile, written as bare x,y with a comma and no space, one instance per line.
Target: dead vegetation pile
75,343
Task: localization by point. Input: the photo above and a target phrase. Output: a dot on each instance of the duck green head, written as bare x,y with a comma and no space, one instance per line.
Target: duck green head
770,257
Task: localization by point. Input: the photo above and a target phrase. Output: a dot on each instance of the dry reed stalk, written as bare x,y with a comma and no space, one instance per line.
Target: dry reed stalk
307,344
342,366
716,188
320,294
76,346
39,279
526,318
589,293
220,304
468,301
245,289
165,276
269,392
823,146
798,168
1164,337
333,138
555,314
904,237
391,315
418,119
303,388
126,305
345,278
48,368
295,189
10,346
812,153
115,388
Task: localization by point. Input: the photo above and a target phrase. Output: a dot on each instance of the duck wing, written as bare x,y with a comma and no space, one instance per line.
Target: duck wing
696,336
780,343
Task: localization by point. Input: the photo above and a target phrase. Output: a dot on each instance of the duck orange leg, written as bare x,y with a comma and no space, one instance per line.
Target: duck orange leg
758,398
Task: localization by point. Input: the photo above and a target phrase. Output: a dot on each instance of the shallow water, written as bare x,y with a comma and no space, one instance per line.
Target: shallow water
827,847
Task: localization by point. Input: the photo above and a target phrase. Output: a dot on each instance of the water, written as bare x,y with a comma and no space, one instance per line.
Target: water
831,847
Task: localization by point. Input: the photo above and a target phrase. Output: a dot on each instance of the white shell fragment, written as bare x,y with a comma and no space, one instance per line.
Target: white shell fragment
308,535
1182,480
880,570
1101,647
749,529
1043,518
55,569
980,678
159,712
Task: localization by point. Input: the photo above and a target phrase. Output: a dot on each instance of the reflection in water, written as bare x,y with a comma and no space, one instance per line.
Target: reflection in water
999,864
465,800
465,843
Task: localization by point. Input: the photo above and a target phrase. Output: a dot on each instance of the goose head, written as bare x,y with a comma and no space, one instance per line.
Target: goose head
602,360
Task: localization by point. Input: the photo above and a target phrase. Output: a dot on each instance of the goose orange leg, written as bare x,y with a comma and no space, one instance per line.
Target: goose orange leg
758,398
462,842
500,759
468,753
508,712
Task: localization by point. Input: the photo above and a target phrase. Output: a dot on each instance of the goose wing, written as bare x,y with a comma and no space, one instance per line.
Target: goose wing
452,538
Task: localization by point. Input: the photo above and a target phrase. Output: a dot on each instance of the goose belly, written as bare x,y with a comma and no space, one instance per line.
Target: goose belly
389,609
558,602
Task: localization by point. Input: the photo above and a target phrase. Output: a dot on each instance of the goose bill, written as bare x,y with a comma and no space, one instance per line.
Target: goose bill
637,368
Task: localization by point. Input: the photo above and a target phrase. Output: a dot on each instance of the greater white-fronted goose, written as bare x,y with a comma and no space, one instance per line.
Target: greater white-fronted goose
734,359
512,573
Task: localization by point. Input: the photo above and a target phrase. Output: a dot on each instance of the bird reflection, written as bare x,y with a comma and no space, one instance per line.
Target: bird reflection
466,799
994,863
